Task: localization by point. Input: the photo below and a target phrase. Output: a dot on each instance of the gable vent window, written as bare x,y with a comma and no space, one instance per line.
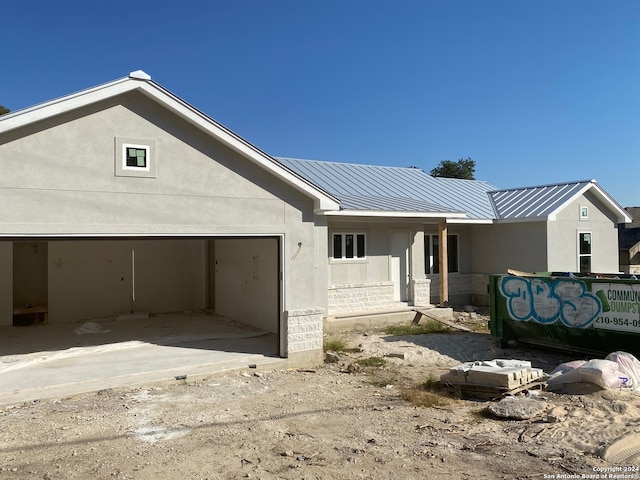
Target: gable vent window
349,245
135,157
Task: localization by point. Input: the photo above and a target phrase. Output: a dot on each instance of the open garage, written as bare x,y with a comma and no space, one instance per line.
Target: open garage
123,204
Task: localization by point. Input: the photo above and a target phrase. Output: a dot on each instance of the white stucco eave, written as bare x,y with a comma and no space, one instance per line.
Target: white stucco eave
393,214
470,221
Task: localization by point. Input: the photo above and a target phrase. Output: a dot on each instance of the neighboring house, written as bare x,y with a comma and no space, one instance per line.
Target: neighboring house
124,198
629,241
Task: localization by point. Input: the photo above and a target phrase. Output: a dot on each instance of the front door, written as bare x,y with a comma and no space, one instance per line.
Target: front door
400,265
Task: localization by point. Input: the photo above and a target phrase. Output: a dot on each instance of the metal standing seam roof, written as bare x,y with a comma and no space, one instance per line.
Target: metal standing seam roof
393,189
535,202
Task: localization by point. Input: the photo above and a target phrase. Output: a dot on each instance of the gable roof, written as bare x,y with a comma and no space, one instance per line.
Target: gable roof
396,191
141,82
543,202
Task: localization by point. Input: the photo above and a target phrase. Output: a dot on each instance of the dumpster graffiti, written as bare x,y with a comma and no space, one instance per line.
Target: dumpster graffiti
547,301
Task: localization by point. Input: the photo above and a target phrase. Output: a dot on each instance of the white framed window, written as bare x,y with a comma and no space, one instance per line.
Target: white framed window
432,253
584,251
350,245
584,212
135,157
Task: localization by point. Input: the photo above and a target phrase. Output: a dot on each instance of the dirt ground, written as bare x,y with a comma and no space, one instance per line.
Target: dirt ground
339,421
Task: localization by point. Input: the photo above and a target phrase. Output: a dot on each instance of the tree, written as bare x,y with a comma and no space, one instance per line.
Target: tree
4,110
464,168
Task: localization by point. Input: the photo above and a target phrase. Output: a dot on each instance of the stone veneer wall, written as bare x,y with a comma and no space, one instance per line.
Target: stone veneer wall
460,285
304,329
360,296
421,291
480,289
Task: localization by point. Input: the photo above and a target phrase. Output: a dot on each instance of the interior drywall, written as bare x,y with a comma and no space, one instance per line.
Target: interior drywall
30,273
170,275
247,279
105,278
6,284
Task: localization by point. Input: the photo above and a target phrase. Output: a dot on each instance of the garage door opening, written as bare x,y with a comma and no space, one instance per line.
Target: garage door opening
184,290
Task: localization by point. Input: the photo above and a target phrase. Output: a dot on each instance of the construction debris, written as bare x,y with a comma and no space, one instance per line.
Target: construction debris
425,312
493,378
518,408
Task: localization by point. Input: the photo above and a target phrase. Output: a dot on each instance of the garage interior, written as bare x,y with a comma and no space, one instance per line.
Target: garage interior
94,309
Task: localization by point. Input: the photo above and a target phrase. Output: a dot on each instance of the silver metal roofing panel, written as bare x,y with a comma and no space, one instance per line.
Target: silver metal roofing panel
534,202
353,202
380,188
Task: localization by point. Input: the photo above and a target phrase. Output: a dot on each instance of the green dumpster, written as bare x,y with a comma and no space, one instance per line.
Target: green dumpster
584,314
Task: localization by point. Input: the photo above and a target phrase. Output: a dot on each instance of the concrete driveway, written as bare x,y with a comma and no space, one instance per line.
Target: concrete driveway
58,360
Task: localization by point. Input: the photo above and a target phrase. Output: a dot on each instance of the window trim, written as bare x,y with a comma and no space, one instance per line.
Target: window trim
581,255
344,258
147,157
123,170
429,264
584,212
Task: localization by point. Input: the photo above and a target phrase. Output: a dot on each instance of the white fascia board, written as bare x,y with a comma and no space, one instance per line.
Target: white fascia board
470,221
623,216
604,197
66,104
213,128
524,219
384,213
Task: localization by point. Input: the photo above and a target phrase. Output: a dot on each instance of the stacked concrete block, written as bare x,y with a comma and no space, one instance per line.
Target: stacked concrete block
499,373
304,329
360,297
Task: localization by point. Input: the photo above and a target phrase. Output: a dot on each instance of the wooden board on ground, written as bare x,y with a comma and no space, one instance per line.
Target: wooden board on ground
424,312
488,392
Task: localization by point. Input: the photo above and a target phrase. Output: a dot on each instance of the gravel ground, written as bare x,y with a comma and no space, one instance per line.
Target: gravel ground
342,420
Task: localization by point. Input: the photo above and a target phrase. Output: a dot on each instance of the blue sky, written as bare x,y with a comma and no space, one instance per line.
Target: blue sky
535,92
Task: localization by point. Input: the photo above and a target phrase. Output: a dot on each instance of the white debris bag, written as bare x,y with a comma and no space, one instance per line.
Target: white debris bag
628,364
604,373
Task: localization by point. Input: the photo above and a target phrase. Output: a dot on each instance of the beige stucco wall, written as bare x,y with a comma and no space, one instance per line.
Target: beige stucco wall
563,235
520,246
360,284
57,178
60,179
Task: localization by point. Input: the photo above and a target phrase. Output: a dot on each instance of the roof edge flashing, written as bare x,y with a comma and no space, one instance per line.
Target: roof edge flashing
140,75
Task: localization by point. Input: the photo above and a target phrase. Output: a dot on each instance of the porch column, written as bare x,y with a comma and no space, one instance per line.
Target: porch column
444,264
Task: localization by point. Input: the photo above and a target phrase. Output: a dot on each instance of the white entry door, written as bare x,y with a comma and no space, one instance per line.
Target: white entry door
400,265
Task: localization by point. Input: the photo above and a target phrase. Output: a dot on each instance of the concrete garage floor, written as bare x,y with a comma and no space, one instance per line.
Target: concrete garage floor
62,359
